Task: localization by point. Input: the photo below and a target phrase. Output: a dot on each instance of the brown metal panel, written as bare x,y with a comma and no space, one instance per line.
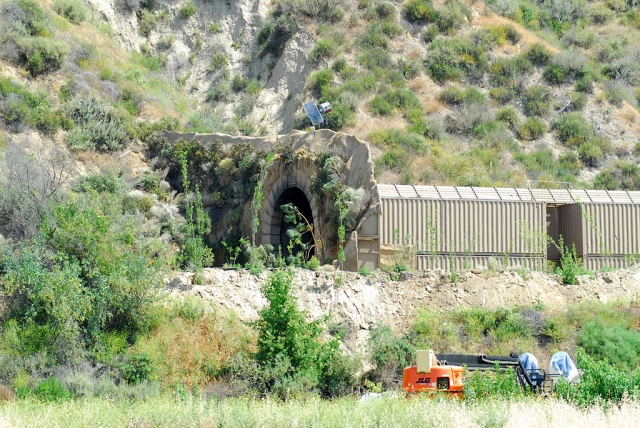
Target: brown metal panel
611,229
365,246
570,226
370,261
369,226
596,263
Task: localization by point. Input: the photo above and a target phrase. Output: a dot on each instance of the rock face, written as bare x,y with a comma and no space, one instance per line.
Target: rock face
193,44
361,303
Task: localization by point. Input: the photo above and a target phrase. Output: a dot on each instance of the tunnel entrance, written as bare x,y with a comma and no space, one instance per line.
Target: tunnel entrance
296,197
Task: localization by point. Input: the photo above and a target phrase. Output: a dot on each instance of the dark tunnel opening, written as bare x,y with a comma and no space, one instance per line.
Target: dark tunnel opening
294,196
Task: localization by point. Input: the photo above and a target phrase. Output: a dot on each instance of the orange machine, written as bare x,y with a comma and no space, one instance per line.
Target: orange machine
444,372
429,375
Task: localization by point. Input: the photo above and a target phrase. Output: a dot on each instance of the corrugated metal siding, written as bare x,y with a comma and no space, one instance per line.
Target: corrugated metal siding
570,226
475,262
597,263
460,226
611,229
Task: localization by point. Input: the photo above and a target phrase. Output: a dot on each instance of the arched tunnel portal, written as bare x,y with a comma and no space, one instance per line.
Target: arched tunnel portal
279,225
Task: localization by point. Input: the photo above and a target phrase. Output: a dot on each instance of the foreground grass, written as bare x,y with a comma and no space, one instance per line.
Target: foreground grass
171,411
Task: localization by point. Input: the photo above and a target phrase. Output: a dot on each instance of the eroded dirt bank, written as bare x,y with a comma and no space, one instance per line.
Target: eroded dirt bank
364,302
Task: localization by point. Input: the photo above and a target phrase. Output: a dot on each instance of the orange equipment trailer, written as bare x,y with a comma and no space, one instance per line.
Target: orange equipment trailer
444,372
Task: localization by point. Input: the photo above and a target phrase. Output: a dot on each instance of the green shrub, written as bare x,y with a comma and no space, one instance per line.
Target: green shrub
339,64
538,55
395,158
420,11
219,92
616,343
390,354
480,386
505,70
187,10
74,10
508,115
372,58
147,22
573,129
98,126
456,58
398,138
239,83
324,48
533,128
30,19
20,107
105,182
290,350
591,154
504,34
325,10
219,60
341,115
584,84
452,95
381,107
137,369
502,94
537,100
42,54
600,14
553,74
601,383
319,80
52,390
452,15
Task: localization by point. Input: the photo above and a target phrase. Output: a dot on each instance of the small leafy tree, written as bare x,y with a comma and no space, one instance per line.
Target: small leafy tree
194,252
291,353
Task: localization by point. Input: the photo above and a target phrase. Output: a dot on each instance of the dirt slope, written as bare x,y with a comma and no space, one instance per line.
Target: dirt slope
364,302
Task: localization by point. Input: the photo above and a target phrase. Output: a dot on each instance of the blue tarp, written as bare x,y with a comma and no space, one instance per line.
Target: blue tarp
561,363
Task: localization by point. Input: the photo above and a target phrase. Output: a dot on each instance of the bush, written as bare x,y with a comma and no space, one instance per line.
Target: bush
600,383
395,158
591,154
219,92
452,95
187,10
480,386
138,369
553,74
324,48
616,343
538,55
74,10
572,63
42,54
390,355
20,107
26,18
573,129
508,115
219,60
381,107
537,100
420,11
98,126
533,128
373,58
504,34
147,22
398,138
584,84
502,94
319,80
52,390
505,71
325,10
600,14
105,182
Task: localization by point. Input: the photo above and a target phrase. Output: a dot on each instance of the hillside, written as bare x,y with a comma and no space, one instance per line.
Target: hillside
507,93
